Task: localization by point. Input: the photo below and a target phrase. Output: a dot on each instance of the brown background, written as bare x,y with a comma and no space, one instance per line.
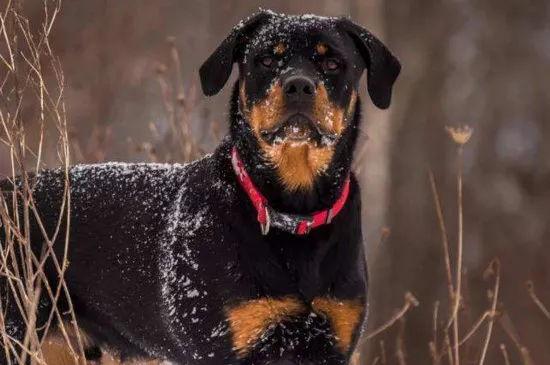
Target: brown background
481,63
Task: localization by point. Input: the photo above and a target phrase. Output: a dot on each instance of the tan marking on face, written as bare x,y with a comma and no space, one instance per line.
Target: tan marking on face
330,116
351,106
321,49
297,163
242,94
344,315
250,319
269,111
279,49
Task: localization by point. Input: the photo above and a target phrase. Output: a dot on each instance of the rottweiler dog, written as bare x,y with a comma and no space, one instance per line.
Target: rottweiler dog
251,255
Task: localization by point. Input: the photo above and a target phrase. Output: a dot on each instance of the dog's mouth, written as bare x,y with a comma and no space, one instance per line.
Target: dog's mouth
298,128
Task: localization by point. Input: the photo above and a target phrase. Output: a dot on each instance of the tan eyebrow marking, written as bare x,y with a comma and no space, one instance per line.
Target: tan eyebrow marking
322,49
279,49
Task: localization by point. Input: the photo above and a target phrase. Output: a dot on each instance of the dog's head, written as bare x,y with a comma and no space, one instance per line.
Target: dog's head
298,85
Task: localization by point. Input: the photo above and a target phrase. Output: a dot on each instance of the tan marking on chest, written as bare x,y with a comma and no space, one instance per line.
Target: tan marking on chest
56,351
344,316
249,320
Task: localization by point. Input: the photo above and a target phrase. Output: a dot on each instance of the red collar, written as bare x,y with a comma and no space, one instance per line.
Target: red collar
293,223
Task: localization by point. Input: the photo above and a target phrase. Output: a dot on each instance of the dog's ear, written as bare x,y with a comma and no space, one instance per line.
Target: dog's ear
215,71
382,67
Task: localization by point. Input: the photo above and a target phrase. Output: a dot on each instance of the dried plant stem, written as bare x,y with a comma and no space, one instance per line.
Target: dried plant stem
435,317
444,239
494,269
400,343
504,354
410,302
526,356
459,259
22,268
168,106
433,353
448,346
31,290
5,340
531,290
474,328
187,140
524,352
383,352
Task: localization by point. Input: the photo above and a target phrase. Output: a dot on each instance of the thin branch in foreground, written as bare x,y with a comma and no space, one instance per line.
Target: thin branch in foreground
474,328
410,302
531,290
448,344
444,239
25,83
400,342
383,352
433,353
434,329
492,270
506,324
461,136
504,354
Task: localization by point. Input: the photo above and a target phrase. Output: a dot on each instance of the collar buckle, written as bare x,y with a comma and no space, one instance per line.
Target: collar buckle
330,215
265,227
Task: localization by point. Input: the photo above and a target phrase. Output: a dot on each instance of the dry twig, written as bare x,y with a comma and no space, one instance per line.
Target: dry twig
492,270
531,290
504,354
461,136
410,302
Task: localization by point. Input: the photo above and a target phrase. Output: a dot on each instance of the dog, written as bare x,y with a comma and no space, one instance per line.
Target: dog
253,254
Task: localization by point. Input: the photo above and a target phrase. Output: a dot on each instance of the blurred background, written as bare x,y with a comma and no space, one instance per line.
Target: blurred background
465,62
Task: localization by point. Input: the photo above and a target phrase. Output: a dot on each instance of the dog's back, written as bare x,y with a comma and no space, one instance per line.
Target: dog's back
139,230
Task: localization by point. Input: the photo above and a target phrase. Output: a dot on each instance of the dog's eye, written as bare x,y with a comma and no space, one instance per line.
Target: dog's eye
267,61
332,65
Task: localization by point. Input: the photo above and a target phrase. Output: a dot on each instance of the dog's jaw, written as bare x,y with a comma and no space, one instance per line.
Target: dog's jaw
298,162
325,179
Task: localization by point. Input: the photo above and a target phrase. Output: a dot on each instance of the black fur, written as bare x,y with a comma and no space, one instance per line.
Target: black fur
158,253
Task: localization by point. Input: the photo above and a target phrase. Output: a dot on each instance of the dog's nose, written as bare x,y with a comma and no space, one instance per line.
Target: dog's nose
299,88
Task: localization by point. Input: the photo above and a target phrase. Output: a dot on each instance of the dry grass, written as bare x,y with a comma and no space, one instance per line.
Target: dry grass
180,104
447,346
26,58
